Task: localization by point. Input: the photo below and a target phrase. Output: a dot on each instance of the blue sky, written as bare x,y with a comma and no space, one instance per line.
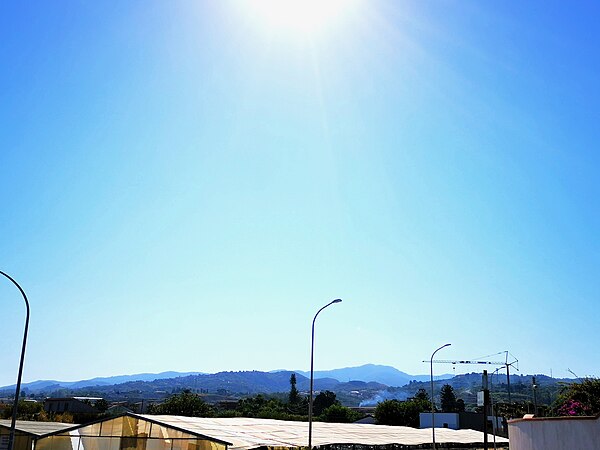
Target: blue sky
185,183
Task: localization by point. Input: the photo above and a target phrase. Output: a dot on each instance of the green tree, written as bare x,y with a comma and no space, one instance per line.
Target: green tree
184,404
27,411
250,407
339,414
422,395
324,400
395,412
423,398
412,409
34,411
388,412
294,396
448,399
101,405
260,406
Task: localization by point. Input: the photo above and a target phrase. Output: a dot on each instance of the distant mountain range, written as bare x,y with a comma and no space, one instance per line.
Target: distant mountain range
365,385
41,385
368,373
365,379
387,375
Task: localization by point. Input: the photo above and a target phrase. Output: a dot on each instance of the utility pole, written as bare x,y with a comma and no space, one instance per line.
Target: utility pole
508,380
486,402
534,387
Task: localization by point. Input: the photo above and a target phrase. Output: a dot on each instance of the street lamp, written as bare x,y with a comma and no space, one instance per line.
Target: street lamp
494,415
312,352
432,402
11,437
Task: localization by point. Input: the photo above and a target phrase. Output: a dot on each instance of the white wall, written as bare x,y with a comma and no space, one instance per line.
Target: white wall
440,419
554,434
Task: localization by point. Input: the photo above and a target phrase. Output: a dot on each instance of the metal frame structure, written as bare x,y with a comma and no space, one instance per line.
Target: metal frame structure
514,364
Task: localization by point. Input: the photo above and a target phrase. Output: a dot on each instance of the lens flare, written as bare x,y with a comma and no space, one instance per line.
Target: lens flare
305,16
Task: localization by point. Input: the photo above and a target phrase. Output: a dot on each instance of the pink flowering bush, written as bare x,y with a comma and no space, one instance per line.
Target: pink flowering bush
579,398
574,408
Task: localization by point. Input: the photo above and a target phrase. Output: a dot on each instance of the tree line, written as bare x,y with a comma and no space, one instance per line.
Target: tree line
581,398
326,407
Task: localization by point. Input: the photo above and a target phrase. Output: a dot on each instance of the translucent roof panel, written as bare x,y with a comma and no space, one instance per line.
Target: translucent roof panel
128,432
37,428
133,426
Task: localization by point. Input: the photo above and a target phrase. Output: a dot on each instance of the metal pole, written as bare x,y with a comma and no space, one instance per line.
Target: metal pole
13,422
534,387
494,418
312,352
432,402
485,408
508,381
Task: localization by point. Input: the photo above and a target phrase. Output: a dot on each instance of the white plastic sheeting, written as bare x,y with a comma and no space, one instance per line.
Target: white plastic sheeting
247,433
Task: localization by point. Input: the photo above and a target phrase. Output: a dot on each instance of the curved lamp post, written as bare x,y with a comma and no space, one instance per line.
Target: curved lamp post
11,437
432,402
494,418
312,352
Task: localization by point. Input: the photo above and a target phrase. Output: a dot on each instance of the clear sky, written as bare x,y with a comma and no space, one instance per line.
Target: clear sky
184,183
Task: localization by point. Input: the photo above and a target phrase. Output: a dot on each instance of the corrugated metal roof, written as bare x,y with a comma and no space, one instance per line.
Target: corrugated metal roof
248,433
37,428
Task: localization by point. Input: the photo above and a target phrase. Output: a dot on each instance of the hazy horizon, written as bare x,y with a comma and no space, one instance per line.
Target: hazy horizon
299,372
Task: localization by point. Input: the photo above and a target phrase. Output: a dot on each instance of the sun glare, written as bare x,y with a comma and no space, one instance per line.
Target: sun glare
302,16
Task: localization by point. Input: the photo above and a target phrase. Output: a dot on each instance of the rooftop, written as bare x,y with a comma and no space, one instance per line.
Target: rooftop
37,428
249,433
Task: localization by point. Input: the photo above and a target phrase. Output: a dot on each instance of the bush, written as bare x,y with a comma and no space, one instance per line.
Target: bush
580,399
395,412
184,404
339,414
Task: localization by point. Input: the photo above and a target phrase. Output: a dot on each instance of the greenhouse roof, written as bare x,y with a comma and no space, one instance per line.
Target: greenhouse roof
249,433
37,428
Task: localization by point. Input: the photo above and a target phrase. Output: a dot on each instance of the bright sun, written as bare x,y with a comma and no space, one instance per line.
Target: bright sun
306,16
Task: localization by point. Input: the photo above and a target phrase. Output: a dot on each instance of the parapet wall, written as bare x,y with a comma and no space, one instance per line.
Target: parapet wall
555,433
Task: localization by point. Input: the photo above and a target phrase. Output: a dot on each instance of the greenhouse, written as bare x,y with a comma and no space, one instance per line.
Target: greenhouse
126,432
27,432
162,432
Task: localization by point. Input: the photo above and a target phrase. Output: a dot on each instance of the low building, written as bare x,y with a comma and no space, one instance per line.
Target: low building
463,421
554,433
442,420
369,418
72,405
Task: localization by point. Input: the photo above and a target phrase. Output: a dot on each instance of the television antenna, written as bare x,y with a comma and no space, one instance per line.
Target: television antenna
509,361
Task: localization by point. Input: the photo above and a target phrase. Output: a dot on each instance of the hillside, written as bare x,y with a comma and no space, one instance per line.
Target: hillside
244,383
367,373
236,384
41,385
466,387
373,372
